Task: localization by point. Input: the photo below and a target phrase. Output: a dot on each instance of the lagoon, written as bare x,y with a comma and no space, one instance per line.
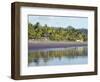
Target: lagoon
58,56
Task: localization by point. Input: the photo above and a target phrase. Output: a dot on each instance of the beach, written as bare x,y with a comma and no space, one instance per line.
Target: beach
53,44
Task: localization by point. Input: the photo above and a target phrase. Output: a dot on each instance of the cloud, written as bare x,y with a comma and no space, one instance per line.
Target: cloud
70,18
51,17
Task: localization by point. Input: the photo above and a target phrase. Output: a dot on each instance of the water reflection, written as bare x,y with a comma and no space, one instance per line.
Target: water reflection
58,56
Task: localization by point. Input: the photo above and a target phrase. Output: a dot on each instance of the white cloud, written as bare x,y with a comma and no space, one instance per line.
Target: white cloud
70,18
51,17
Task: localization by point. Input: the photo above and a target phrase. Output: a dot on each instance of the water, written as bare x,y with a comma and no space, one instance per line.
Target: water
58,56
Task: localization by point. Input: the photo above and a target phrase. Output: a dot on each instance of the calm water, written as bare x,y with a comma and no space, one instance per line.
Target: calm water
58,56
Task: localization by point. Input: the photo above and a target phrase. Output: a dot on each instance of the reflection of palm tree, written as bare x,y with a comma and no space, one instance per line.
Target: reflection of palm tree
45,60
60,58
36,61
58,53
45,57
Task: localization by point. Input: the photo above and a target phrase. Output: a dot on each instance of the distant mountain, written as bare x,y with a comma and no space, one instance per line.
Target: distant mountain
84,31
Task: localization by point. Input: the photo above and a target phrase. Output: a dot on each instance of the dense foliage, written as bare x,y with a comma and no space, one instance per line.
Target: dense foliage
39,32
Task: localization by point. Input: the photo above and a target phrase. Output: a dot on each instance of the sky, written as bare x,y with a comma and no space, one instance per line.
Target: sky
60,21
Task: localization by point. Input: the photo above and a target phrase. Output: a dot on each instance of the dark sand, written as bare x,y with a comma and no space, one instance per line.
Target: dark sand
44,45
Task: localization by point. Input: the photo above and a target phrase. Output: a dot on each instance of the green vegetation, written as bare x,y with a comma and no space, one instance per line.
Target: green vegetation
39,32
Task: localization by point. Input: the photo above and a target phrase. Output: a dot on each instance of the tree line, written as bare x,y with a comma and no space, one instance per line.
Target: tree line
44,32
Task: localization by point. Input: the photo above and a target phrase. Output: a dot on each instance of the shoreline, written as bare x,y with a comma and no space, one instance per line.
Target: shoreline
34,45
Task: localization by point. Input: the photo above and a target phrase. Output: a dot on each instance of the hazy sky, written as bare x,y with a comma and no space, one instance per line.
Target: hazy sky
60,21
